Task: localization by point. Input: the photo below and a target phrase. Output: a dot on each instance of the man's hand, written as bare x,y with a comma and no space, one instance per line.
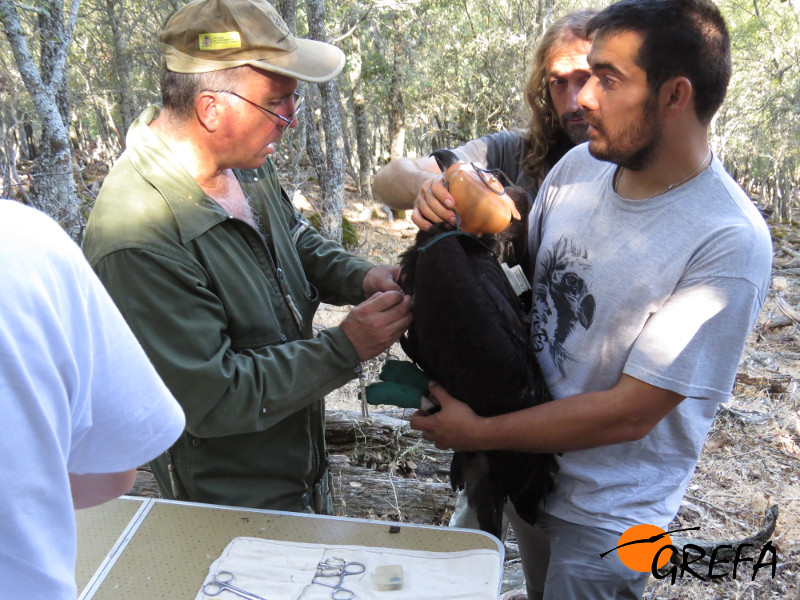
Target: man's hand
433,204
407,183
383,278
377,323
454,426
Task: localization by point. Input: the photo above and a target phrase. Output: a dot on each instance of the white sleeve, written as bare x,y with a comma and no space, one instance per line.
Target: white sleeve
474,151
122,413
78,395
81,388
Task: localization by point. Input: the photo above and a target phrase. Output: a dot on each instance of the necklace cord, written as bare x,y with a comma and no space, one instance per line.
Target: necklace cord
671,186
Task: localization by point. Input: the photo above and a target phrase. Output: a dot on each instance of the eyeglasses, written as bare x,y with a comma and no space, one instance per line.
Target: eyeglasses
298,101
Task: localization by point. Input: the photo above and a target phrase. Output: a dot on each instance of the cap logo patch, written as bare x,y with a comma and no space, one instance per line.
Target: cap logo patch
220,41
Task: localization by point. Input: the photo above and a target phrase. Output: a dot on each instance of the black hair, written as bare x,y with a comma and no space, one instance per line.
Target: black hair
681,38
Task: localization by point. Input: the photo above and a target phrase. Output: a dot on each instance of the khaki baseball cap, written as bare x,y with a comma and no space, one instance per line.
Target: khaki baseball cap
211,35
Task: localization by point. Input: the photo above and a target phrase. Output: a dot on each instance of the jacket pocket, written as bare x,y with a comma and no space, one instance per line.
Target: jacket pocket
323,494
254,343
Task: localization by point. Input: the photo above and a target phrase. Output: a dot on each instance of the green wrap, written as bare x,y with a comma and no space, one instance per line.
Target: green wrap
402,384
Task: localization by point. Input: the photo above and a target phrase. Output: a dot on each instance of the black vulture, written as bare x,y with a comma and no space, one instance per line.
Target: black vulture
471,333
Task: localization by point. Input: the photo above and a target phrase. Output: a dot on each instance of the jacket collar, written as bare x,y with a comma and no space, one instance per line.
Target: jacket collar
194,211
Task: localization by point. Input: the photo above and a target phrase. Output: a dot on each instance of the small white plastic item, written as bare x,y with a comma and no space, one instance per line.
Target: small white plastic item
388,577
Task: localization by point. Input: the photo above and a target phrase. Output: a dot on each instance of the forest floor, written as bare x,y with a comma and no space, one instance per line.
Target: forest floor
751,459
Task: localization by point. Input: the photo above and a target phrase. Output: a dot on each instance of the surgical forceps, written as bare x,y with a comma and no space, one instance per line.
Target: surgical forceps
222,583
338,567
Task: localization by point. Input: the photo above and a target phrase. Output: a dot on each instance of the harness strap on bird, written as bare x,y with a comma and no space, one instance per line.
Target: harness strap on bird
456,231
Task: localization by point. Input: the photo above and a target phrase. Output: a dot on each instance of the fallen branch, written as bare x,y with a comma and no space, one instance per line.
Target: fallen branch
748,417
383,469
725,554
787,310
776,322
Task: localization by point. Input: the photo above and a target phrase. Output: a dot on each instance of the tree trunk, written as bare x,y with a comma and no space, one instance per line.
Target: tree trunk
13,136
53,188
294,140
27,141
361,123
288,11
313,144
544,16
50,25
8,151
349,166
397,109
122,65
333,191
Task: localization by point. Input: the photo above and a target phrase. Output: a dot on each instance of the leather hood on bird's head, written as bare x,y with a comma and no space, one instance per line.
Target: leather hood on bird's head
481,201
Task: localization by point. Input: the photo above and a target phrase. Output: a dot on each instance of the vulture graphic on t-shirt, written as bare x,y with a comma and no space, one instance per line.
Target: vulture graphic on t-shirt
563,299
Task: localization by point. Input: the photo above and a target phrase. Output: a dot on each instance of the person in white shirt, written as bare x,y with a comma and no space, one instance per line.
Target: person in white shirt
82,405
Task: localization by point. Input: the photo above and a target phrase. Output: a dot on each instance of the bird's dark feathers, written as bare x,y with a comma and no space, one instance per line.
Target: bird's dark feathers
471,334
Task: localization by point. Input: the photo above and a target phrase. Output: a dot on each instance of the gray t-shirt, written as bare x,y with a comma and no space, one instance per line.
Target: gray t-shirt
664,290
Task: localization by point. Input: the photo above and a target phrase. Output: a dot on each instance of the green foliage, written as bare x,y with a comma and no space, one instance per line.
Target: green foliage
758,128
460,65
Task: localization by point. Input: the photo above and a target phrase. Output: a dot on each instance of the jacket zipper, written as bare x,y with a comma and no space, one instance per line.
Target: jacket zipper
317,444
279,276
298,318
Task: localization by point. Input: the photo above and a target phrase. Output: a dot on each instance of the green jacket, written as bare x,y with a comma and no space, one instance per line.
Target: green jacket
225,314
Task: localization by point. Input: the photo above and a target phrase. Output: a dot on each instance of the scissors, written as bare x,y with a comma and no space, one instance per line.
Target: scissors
222,582
338,567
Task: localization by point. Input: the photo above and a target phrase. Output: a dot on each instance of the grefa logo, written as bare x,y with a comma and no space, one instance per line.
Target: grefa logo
646,548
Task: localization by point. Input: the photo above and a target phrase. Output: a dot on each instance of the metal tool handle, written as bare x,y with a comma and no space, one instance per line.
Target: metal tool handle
222,583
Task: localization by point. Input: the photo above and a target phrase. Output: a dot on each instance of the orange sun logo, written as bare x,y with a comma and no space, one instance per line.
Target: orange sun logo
638,546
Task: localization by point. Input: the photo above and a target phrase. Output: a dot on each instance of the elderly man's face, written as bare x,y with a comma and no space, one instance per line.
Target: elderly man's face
251,131
566,75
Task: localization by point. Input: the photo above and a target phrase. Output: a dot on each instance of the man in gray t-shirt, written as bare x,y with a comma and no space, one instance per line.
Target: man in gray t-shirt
650,267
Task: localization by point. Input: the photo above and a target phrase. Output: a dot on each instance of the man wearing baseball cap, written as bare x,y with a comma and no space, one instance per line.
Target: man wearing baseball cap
219,276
